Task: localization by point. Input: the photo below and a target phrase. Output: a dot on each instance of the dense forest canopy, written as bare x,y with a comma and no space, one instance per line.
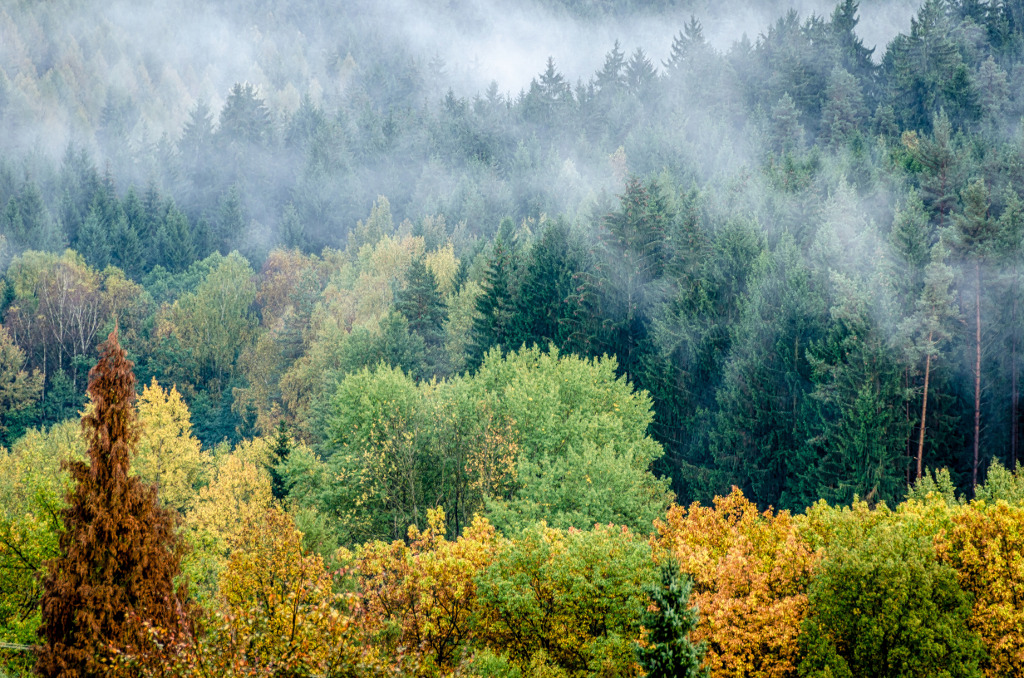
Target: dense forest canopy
691,216
577,262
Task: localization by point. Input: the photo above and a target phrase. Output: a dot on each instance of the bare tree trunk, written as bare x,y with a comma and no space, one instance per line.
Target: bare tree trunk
924,407
1014,414
977,370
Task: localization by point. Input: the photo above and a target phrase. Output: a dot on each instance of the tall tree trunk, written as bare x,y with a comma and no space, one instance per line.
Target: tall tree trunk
924,406
910,426
1014,414
977,370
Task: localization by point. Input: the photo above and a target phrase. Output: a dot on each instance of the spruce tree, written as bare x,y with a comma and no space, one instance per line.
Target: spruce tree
421,303
669,652
119,554
973,233
495,320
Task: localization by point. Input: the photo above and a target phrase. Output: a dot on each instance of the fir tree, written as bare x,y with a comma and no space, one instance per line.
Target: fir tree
119,553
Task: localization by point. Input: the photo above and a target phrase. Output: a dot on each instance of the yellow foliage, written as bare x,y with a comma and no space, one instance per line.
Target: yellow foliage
238,494
421,596
986,548
279,606
168,454
750,572
443,264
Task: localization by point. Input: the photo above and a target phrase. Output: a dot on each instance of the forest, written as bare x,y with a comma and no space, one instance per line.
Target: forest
337,343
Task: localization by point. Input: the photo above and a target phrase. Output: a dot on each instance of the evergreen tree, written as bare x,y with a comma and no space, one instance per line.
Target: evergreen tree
787,134
688,43
41,232
119,552
177,251
231,221
640,75
668,651
940,181
494,322
279,458
764,414
972,235
545,298
127,251
421,304
93,243
610,79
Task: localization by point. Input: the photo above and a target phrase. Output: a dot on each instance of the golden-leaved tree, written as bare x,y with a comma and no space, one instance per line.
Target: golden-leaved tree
751,571
169,455
419,598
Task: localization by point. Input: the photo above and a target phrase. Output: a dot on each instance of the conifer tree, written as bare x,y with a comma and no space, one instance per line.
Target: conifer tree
93,243
669,652
127,251
494,323
973,233
421,304
118,554
177,250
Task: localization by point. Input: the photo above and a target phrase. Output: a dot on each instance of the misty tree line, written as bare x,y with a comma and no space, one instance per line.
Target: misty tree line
799,253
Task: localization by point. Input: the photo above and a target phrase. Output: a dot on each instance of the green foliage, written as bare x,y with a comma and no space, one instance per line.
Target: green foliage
577,597
667,651
882,604
32,493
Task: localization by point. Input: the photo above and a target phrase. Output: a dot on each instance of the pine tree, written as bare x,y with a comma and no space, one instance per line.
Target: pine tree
935,308
231,221
127,252
548,284
610,79
279,457
685,45
640,74
668,651
941,179
787,134
119,552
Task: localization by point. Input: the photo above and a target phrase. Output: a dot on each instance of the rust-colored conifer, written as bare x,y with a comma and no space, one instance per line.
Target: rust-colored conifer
114,578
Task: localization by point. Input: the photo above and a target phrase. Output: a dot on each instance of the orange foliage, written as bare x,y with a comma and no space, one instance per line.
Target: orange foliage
750,572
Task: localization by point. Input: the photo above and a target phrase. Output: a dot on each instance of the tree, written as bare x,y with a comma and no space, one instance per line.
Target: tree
972,236
750,573
422,597
882,605
174,242
609,80
19,390
169,455
929,327
495,321
119,552
983,548
33,489
421,304
667,651
238,494
569,599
